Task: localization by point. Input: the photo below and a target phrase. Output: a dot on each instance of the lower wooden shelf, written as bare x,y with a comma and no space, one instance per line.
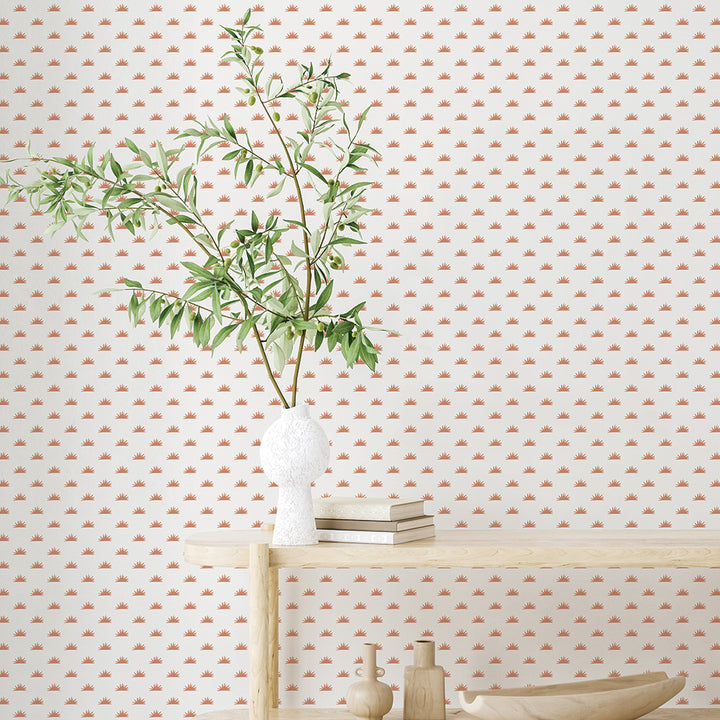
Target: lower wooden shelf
313,713
252,549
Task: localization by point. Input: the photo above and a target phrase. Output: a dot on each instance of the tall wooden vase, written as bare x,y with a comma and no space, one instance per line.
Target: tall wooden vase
369,699
424,685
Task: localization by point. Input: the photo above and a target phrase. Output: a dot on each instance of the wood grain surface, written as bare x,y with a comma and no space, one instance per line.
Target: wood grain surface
476,548
340,714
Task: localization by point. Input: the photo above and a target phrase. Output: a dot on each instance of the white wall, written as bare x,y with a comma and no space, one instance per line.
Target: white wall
546,243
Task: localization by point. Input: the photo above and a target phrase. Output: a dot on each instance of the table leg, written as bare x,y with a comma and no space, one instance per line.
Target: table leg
273,636
259,679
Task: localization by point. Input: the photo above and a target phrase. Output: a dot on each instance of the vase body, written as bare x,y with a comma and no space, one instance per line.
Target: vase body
369,699
294,451
424,696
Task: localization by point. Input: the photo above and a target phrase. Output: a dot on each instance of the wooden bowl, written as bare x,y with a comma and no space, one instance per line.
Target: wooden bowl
622,698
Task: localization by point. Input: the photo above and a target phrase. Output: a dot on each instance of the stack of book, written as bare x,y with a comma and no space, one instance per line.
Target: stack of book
384,521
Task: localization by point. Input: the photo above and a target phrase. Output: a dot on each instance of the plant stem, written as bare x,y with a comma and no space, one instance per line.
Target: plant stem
269,369
294,88
306,246
236,288
173,188
174,298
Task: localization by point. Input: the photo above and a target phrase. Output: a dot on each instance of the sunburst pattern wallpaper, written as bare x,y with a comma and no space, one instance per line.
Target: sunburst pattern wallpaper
546,245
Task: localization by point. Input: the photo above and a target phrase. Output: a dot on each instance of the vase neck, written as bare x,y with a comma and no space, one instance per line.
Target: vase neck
369,660
300,410
424,653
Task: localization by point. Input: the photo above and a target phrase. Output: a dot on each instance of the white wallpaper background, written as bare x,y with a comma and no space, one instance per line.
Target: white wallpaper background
546,242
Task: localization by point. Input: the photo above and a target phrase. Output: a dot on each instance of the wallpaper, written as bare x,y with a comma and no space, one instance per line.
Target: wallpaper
544,243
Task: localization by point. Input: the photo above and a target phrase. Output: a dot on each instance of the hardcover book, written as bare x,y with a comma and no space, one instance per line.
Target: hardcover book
377,525
378,538
351,508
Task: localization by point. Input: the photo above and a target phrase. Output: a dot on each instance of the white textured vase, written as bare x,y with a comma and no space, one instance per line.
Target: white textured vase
294,451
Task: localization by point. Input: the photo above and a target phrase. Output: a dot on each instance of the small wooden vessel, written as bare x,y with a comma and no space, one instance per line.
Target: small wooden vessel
622,698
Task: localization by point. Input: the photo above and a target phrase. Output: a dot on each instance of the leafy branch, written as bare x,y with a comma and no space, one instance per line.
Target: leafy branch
261,281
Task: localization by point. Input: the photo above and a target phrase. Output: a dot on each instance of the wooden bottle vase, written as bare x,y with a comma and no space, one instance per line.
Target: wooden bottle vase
369,699
424,685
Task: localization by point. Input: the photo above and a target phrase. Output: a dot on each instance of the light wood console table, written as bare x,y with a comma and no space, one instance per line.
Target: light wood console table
450,548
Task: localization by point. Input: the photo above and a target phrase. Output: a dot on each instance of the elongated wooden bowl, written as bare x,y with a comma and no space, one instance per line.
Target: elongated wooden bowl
623,698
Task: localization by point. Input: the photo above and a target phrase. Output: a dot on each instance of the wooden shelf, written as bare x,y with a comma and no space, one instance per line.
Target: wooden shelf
252,549
475,548
340,714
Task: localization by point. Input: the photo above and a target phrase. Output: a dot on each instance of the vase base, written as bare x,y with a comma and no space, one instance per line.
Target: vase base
288,540
294,452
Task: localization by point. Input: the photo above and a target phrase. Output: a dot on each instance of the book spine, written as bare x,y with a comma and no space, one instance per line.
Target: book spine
327,508
349,511
376,525
377,538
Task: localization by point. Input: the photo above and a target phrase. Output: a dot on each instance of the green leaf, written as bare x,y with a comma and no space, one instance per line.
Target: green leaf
354,310
182,178
315,241
115,167
319,337
314,171
181,219
324,297
170,202
327,211
133,307
362,117
282,350
197,324
345,343
145,157
347,241
155,308
254,222
132,283
320,276
300,324
248,171
299,223
278,330
307,120
257,172
222,335
368,355
277,189
356,186
217,309
353,350
198,271
175,322
229,128
297,251
162,157
198,291
164,315
245,328
232,154
192,195
205,330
